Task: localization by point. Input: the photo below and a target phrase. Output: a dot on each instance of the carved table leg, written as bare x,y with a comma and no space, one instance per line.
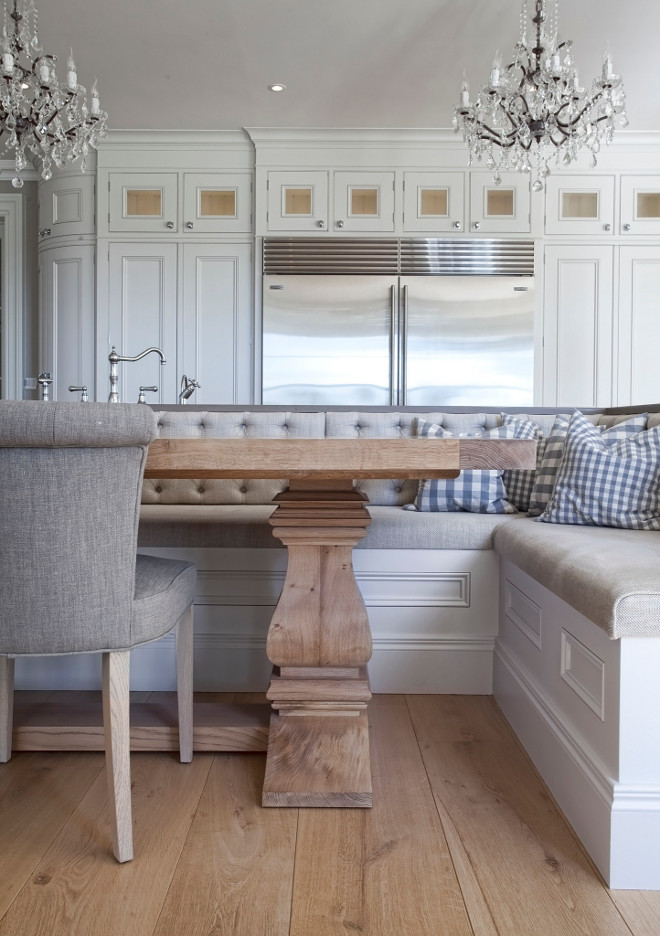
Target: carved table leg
319,642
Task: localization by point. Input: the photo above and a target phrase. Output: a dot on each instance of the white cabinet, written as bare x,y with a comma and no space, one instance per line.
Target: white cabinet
297,201
578,326
66,298
193,301
579,205
179,202
639,325
500,208
66,206
364,201
215,325
640,205
434,202
300,201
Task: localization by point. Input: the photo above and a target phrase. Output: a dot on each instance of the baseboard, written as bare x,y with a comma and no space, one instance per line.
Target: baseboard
238,663
618,824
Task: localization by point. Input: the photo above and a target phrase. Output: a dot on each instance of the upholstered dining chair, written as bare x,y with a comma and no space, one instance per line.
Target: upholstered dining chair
70,578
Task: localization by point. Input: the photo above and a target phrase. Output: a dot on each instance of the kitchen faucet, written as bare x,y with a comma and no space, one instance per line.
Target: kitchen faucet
188,387
114,358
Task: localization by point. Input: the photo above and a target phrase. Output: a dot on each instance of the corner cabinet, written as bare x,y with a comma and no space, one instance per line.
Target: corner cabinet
66,282
192,300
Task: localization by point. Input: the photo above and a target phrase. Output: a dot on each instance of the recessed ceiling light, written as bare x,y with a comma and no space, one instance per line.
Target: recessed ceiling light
277,87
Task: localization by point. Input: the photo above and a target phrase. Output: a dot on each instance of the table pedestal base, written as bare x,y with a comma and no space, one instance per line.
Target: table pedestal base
319,641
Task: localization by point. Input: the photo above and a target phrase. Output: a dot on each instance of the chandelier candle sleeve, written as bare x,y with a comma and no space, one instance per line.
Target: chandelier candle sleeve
534,108
38,114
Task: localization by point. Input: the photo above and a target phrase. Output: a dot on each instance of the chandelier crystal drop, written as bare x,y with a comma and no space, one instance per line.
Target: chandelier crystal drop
53,120
534,109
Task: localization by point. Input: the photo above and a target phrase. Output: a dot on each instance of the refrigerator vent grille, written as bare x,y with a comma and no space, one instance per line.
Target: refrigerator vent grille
391,256
311,255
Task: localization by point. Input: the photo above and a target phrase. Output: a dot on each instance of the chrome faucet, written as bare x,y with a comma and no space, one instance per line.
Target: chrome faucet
45,380
188,387
114,358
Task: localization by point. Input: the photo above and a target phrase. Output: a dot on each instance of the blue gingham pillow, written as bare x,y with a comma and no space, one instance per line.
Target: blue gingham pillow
473,491
550,452
519,482
615,485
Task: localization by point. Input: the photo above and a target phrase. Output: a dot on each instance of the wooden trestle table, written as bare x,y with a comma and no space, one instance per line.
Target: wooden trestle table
319,640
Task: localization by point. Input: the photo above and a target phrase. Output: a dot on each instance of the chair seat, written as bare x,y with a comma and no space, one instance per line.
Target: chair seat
164,589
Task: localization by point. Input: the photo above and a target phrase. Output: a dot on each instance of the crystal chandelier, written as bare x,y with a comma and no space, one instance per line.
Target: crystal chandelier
534,108
38,113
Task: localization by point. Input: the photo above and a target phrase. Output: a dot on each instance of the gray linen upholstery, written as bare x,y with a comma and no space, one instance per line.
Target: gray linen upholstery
187,526
69,512
611,576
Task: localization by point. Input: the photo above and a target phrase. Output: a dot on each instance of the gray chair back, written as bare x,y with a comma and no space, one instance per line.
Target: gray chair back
70,486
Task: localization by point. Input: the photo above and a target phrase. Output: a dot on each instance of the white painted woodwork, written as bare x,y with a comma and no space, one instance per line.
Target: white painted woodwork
12,292
434,202
639,288
493,210
578,326
568,214
66,300
363,201
66,206
640,205
298,201
236,214
589,735
122,211
142,312
214,324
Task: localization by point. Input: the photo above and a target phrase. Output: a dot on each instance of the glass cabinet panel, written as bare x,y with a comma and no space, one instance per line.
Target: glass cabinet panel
217,203
433,202
579,204
141,203
297,201
500,203
640,205
648,205
364,201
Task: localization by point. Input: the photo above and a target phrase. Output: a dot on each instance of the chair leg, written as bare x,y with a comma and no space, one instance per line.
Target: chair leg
116,727
184,684
6,706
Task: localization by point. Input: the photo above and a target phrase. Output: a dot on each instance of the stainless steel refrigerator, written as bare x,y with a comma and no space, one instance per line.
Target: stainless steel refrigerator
460,337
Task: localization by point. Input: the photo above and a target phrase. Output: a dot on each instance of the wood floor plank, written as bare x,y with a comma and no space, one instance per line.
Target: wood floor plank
235,874
640,910
38,794
78,888
384,871
530,869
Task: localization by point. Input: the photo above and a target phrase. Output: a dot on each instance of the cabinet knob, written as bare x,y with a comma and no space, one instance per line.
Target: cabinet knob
44,232
189,225
456,225
607,227
340,224
626,227
476,225
320,224
169,225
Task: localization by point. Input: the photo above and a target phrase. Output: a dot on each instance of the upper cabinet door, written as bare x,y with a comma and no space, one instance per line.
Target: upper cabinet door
66,207
364,201
579,205
297,201
143,201
217,203
434,201
502,208
640,205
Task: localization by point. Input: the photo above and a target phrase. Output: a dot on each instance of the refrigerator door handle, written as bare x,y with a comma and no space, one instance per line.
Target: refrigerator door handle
394,356
403,387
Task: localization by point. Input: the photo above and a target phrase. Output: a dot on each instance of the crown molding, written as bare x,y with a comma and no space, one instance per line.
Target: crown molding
175,139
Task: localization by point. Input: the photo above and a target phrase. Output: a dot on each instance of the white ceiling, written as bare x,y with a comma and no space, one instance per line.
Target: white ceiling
206,64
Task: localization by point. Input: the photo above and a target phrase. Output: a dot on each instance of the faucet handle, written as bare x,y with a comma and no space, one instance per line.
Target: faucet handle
142,398
83,391
45,380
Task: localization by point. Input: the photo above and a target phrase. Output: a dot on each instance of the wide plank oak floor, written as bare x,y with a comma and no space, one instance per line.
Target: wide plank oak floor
463,840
